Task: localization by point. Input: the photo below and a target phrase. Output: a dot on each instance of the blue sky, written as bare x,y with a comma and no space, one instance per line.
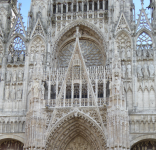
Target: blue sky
26,6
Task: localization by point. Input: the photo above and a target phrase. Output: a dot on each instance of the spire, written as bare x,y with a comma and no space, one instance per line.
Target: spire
19,7
142,3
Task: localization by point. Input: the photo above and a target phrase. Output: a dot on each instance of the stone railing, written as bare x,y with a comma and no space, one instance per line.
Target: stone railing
82,102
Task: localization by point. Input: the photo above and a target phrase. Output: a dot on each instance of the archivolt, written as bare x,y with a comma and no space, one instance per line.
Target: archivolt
73,125
78,23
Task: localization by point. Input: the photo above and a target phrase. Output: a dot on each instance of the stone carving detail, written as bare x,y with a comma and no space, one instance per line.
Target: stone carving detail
129,71
124,46
38,29
78,144
122,24
91,53
7,92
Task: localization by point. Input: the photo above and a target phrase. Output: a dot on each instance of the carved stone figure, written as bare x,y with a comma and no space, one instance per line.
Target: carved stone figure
1,58
20,75
13,93
123,70
123,54
21,57
9,58
145,53
30,73
150,52
129,74
145,71
42,91
15,58
8,77
128,54
7,92
36,89
139,71
19,94
14,76
31,57
139,52
151,70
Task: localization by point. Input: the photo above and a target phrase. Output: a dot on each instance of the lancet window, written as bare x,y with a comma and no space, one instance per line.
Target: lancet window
54,9
53,91
80,6
95,5
90,5
76,90
101,4
100,90
74,8
85,7
68,92
64,8
84,91
106,5
69,7
17,50
59,8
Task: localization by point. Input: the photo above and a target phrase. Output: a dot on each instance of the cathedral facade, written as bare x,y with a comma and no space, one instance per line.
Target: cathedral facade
81,76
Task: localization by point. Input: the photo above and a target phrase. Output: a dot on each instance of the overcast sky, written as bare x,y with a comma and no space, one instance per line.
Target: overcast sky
26,7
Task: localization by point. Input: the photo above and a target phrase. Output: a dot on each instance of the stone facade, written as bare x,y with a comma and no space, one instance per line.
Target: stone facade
81,76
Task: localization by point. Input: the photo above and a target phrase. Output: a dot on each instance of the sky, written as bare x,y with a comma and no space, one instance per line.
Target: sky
26,6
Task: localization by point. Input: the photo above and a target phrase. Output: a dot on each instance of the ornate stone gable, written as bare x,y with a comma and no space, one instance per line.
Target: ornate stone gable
122,24
38,29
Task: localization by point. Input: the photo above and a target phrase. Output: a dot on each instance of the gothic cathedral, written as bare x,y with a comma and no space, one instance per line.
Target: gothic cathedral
81,76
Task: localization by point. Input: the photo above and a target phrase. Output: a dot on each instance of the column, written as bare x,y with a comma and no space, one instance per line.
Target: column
61,8
66,7
103,4
87,5
92,5
56,8
82,6
98,5
77,7
72,7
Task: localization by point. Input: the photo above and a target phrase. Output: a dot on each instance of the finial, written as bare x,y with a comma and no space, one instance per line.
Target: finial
77,34
19,7
142,3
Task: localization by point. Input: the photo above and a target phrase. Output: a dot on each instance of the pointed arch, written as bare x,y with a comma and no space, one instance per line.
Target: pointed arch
73,125
37,49
84,23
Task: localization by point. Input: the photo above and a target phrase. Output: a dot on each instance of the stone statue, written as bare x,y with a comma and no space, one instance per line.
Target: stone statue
13,92
139,71
31,57
19,94
20,75
1,58
9,58
36,90
128,54
15,58
123,70
21,57
8,78
150,52
129,74
42,91
145,53
139,52
151,70
30,73
145,71
123,54
7,92
14,76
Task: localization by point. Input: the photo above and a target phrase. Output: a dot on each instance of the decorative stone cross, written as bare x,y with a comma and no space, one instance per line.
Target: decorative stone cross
77,34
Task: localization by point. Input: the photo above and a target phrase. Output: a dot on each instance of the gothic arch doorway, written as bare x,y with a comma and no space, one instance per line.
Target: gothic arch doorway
11,144
78,132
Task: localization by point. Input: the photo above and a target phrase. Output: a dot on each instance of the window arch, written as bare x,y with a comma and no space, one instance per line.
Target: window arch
144,46
17,50
144,40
